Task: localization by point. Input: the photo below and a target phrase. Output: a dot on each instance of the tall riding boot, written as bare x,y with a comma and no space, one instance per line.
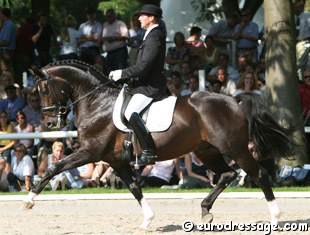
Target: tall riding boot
145,139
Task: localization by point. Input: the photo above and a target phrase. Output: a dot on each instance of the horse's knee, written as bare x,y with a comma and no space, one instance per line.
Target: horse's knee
135,189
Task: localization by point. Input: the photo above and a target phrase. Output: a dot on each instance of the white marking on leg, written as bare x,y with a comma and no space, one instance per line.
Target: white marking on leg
148,214
30,197
274,211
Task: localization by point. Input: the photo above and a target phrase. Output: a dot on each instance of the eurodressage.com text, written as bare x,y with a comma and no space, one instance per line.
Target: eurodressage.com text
266,228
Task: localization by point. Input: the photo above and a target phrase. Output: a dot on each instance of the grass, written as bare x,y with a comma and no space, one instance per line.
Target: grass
158,190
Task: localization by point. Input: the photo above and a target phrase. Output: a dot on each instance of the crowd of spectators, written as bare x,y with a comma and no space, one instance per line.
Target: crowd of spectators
113,45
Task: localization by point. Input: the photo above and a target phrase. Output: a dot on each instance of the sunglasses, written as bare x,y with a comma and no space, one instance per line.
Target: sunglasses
308,76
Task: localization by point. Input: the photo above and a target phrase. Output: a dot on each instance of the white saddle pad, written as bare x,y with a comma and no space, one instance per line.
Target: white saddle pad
159,117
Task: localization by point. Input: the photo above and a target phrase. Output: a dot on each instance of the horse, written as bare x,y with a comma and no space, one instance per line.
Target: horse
209,124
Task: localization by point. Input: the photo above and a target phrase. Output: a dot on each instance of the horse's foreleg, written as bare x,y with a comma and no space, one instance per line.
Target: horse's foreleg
72,161
127,175
208,202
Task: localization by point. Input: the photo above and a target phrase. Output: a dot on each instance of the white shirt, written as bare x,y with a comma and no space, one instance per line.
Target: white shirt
163,170
149,30
23,168
71,46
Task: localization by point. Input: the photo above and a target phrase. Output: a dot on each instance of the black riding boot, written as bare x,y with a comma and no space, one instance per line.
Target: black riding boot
145,139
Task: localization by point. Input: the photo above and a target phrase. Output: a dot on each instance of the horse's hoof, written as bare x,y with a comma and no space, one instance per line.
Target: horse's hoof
207,218
26,206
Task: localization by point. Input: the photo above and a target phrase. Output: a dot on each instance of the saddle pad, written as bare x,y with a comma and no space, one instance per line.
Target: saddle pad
159,117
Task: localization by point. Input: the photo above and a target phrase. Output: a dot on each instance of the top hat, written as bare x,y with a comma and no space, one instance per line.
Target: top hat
151,10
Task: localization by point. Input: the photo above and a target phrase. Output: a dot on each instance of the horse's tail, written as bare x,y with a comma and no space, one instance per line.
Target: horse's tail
269,137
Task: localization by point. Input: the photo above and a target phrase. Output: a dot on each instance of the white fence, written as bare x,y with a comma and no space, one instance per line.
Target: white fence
55,134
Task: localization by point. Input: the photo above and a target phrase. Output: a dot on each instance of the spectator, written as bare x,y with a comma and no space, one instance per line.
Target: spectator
89,37
196,46
185,71
48,162
4,184
6,80
68,38
222,32
228,86
216,86
176,85
12,104
158,174
247,83
114,36
246,35
177,54
136,34
210,55
24,127
33,110
21,170
6,145
42,39
24,50
223,62
79,177
304,91
7,41
196,176
193,85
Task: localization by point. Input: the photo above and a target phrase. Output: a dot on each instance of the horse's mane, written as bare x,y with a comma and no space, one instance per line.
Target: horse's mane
94,71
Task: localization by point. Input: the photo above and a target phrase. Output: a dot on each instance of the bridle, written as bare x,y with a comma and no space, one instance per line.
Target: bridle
57,109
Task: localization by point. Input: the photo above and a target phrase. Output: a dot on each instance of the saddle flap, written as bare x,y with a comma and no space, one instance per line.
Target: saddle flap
159,114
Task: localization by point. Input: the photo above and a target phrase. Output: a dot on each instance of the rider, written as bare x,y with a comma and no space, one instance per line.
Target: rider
148,79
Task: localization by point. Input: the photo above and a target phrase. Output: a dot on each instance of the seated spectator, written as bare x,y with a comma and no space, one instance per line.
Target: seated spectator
21,169
33,110
223,62
210,55
216,86
247,83
6,146
228,86
176,85
6,80
304,91
193,85
185,72
4,184
197,173
48,162
79,177
177,54
158,174
12,104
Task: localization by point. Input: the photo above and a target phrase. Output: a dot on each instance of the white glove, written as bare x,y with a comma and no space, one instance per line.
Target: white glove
115,75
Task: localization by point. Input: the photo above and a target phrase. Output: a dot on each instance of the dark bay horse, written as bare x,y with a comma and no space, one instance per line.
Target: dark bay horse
211,125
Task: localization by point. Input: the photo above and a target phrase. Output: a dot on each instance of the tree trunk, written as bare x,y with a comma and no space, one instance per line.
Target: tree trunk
281,76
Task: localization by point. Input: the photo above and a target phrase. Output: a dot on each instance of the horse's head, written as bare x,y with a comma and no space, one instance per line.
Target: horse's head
55,93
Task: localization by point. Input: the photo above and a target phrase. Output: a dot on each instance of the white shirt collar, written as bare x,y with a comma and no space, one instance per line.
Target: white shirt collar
149,30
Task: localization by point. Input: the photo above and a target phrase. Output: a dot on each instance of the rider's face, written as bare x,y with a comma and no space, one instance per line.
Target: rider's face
145,20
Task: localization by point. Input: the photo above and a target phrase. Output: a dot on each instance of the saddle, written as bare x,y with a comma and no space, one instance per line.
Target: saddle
157,116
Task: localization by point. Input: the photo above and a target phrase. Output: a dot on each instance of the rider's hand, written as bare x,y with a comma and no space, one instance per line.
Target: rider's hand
115,75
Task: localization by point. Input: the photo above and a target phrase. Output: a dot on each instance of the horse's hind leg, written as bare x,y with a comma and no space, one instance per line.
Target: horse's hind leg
217,164
261,178
127,175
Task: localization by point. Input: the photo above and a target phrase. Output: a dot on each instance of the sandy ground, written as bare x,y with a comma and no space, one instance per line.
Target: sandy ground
124,216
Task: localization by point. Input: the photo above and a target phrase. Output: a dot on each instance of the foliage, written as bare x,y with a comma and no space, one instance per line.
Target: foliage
208,10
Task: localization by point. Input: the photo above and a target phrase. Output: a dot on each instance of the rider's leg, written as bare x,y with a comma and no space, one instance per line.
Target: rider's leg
137,103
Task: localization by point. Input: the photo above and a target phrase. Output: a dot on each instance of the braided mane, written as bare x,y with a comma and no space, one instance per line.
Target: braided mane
94,71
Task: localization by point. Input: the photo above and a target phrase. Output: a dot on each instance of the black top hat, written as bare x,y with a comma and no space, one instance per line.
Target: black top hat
151,10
